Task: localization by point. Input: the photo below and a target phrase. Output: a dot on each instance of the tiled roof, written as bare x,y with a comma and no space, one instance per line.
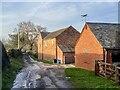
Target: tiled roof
54,34
106,33
64,37
66,48
44,34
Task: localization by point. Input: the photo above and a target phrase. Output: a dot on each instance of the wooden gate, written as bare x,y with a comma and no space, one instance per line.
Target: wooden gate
107,70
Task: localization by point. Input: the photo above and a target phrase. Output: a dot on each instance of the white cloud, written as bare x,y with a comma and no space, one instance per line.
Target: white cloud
55,15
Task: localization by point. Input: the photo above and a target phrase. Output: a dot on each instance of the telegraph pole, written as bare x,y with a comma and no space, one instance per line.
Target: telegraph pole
18,39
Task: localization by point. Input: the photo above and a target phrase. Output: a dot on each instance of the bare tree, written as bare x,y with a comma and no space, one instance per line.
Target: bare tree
28,33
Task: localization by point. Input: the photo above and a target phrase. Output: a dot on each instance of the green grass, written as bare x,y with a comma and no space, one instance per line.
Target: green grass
9,74
40,60
81,78
44,61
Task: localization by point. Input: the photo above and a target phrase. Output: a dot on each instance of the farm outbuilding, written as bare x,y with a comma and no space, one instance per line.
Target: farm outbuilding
98,41
41,36
112,55
60,45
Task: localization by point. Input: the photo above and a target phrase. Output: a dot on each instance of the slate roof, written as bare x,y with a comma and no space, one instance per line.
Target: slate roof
44,34
106,33
66,48
54,34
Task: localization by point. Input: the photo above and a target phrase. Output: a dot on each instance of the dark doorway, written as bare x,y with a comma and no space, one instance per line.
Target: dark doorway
116,56
69,59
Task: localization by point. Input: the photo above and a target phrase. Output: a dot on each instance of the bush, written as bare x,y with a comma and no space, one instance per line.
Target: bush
32,54
15,53
8,75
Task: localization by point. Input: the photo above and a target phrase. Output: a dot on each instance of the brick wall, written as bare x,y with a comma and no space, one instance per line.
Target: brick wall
49,49
87,50
40,47
60,55
68,37
66,57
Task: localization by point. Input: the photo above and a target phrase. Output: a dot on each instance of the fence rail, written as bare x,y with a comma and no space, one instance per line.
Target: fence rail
107,70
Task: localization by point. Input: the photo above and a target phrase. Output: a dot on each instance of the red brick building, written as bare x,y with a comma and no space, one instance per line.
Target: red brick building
60,45
41,36
98,41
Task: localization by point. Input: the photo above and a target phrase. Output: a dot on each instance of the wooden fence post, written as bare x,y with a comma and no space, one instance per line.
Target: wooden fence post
96,68
119,76
116,74
105,71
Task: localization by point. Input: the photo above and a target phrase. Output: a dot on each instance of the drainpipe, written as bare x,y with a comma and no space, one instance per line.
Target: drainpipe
64,59
105,55
56,51
18,39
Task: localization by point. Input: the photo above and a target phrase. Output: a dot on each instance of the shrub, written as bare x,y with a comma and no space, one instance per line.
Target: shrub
31,53
15,53
8,75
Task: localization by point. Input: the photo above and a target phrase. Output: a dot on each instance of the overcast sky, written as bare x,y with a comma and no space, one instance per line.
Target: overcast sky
56,15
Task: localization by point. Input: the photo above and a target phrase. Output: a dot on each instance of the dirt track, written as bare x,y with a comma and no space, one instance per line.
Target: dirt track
39,75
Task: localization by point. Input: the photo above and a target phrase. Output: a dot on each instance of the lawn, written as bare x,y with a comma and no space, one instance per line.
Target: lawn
81,78
9,74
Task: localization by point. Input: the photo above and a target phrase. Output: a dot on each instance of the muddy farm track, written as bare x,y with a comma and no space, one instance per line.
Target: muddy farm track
40,75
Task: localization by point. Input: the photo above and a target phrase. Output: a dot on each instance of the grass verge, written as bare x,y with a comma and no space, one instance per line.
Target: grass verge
44,61
9,74
81,78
